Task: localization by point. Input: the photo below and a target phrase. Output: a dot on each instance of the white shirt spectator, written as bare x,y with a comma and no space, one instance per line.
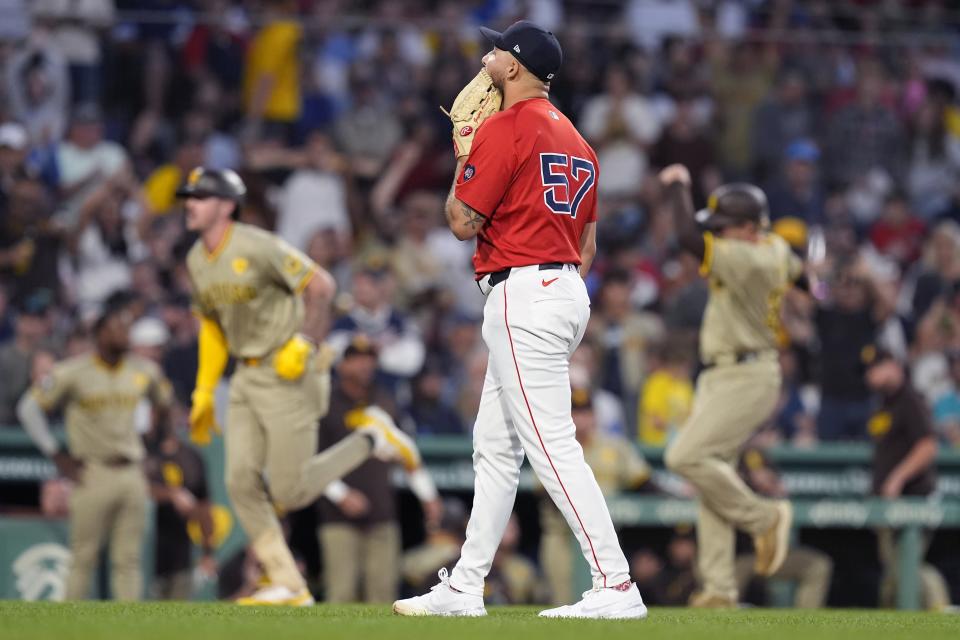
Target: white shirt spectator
38,87
77,35
623,161
310,201
650,21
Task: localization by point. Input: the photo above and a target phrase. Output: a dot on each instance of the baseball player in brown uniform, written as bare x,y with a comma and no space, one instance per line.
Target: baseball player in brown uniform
749,271
100,392
265,304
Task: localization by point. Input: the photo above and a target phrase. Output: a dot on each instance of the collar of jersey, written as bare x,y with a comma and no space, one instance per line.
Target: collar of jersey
212,255
106,366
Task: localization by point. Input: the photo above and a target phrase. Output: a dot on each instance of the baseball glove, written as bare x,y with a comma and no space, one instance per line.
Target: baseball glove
476,102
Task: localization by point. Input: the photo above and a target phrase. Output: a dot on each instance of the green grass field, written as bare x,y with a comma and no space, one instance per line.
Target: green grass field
159,621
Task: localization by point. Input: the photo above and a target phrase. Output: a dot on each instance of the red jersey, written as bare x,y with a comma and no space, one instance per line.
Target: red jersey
533,176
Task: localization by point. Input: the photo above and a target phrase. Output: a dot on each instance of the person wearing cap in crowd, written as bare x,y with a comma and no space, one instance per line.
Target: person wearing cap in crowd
808,568
30,238
797,192
399,343
31,330
266,304
904,464
100,392
178,484
748,270
616,464
85,158
359,533
442,545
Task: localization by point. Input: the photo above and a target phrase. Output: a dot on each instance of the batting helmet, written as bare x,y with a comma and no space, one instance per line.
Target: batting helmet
734,204
218,183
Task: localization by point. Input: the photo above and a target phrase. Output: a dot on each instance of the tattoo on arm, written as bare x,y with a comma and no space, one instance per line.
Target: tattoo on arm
473,219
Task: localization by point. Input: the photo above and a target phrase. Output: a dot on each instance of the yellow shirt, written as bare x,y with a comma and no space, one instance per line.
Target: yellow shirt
160,188
665,402
274,51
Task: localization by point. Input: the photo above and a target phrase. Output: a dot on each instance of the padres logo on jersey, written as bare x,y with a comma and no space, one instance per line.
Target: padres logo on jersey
240,265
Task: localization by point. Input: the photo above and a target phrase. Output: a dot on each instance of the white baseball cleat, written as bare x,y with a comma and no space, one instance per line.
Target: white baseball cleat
443,600
277,595
390,443
612,603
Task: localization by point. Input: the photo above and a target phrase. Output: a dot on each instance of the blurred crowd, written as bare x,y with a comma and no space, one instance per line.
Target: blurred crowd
846,113
334,124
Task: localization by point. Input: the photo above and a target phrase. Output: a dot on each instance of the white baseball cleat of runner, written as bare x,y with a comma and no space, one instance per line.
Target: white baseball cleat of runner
443,600
277,595
612,603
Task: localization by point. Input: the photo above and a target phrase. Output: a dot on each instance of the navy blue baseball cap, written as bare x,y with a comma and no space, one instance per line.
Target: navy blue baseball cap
536,48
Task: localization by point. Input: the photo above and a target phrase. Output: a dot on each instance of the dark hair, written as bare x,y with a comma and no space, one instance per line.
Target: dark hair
117,302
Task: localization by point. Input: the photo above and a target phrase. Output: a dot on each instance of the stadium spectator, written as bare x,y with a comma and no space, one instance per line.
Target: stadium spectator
621,334
685,141
369,131
866,134
104,241
422,280
85,158
32,324
795,190
178,484
939,268
161,185
271,76
898,233
607,407
846,322
398,343
934,161
420,564
946,407
431,414
359,534
667,394
905,447
783,117
742,75
679,575
646,569
38,88
30,240
512,578
76,31
809,569
318,180
621,126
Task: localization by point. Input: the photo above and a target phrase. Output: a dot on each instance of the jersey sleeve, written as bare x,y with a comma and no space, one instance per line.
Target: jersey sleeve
54,389
289,266
489,168
160,390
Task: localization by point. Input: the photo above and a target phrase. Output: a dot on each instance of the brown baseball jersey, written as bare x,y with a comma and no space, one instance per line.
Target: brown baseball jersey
747,283
250,286
99,403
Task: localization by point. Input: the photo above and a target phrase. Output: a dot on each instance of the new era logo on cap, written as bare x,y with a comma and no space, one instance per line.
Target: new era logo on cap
534,47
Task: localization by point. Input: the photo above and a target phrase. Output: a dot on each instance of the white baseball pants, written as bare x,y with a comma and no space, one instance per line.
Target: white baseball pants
532,322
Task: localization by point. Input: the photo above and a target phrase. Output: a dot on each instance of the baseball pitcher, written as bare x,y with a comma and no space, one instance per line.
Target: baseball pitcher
525,188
